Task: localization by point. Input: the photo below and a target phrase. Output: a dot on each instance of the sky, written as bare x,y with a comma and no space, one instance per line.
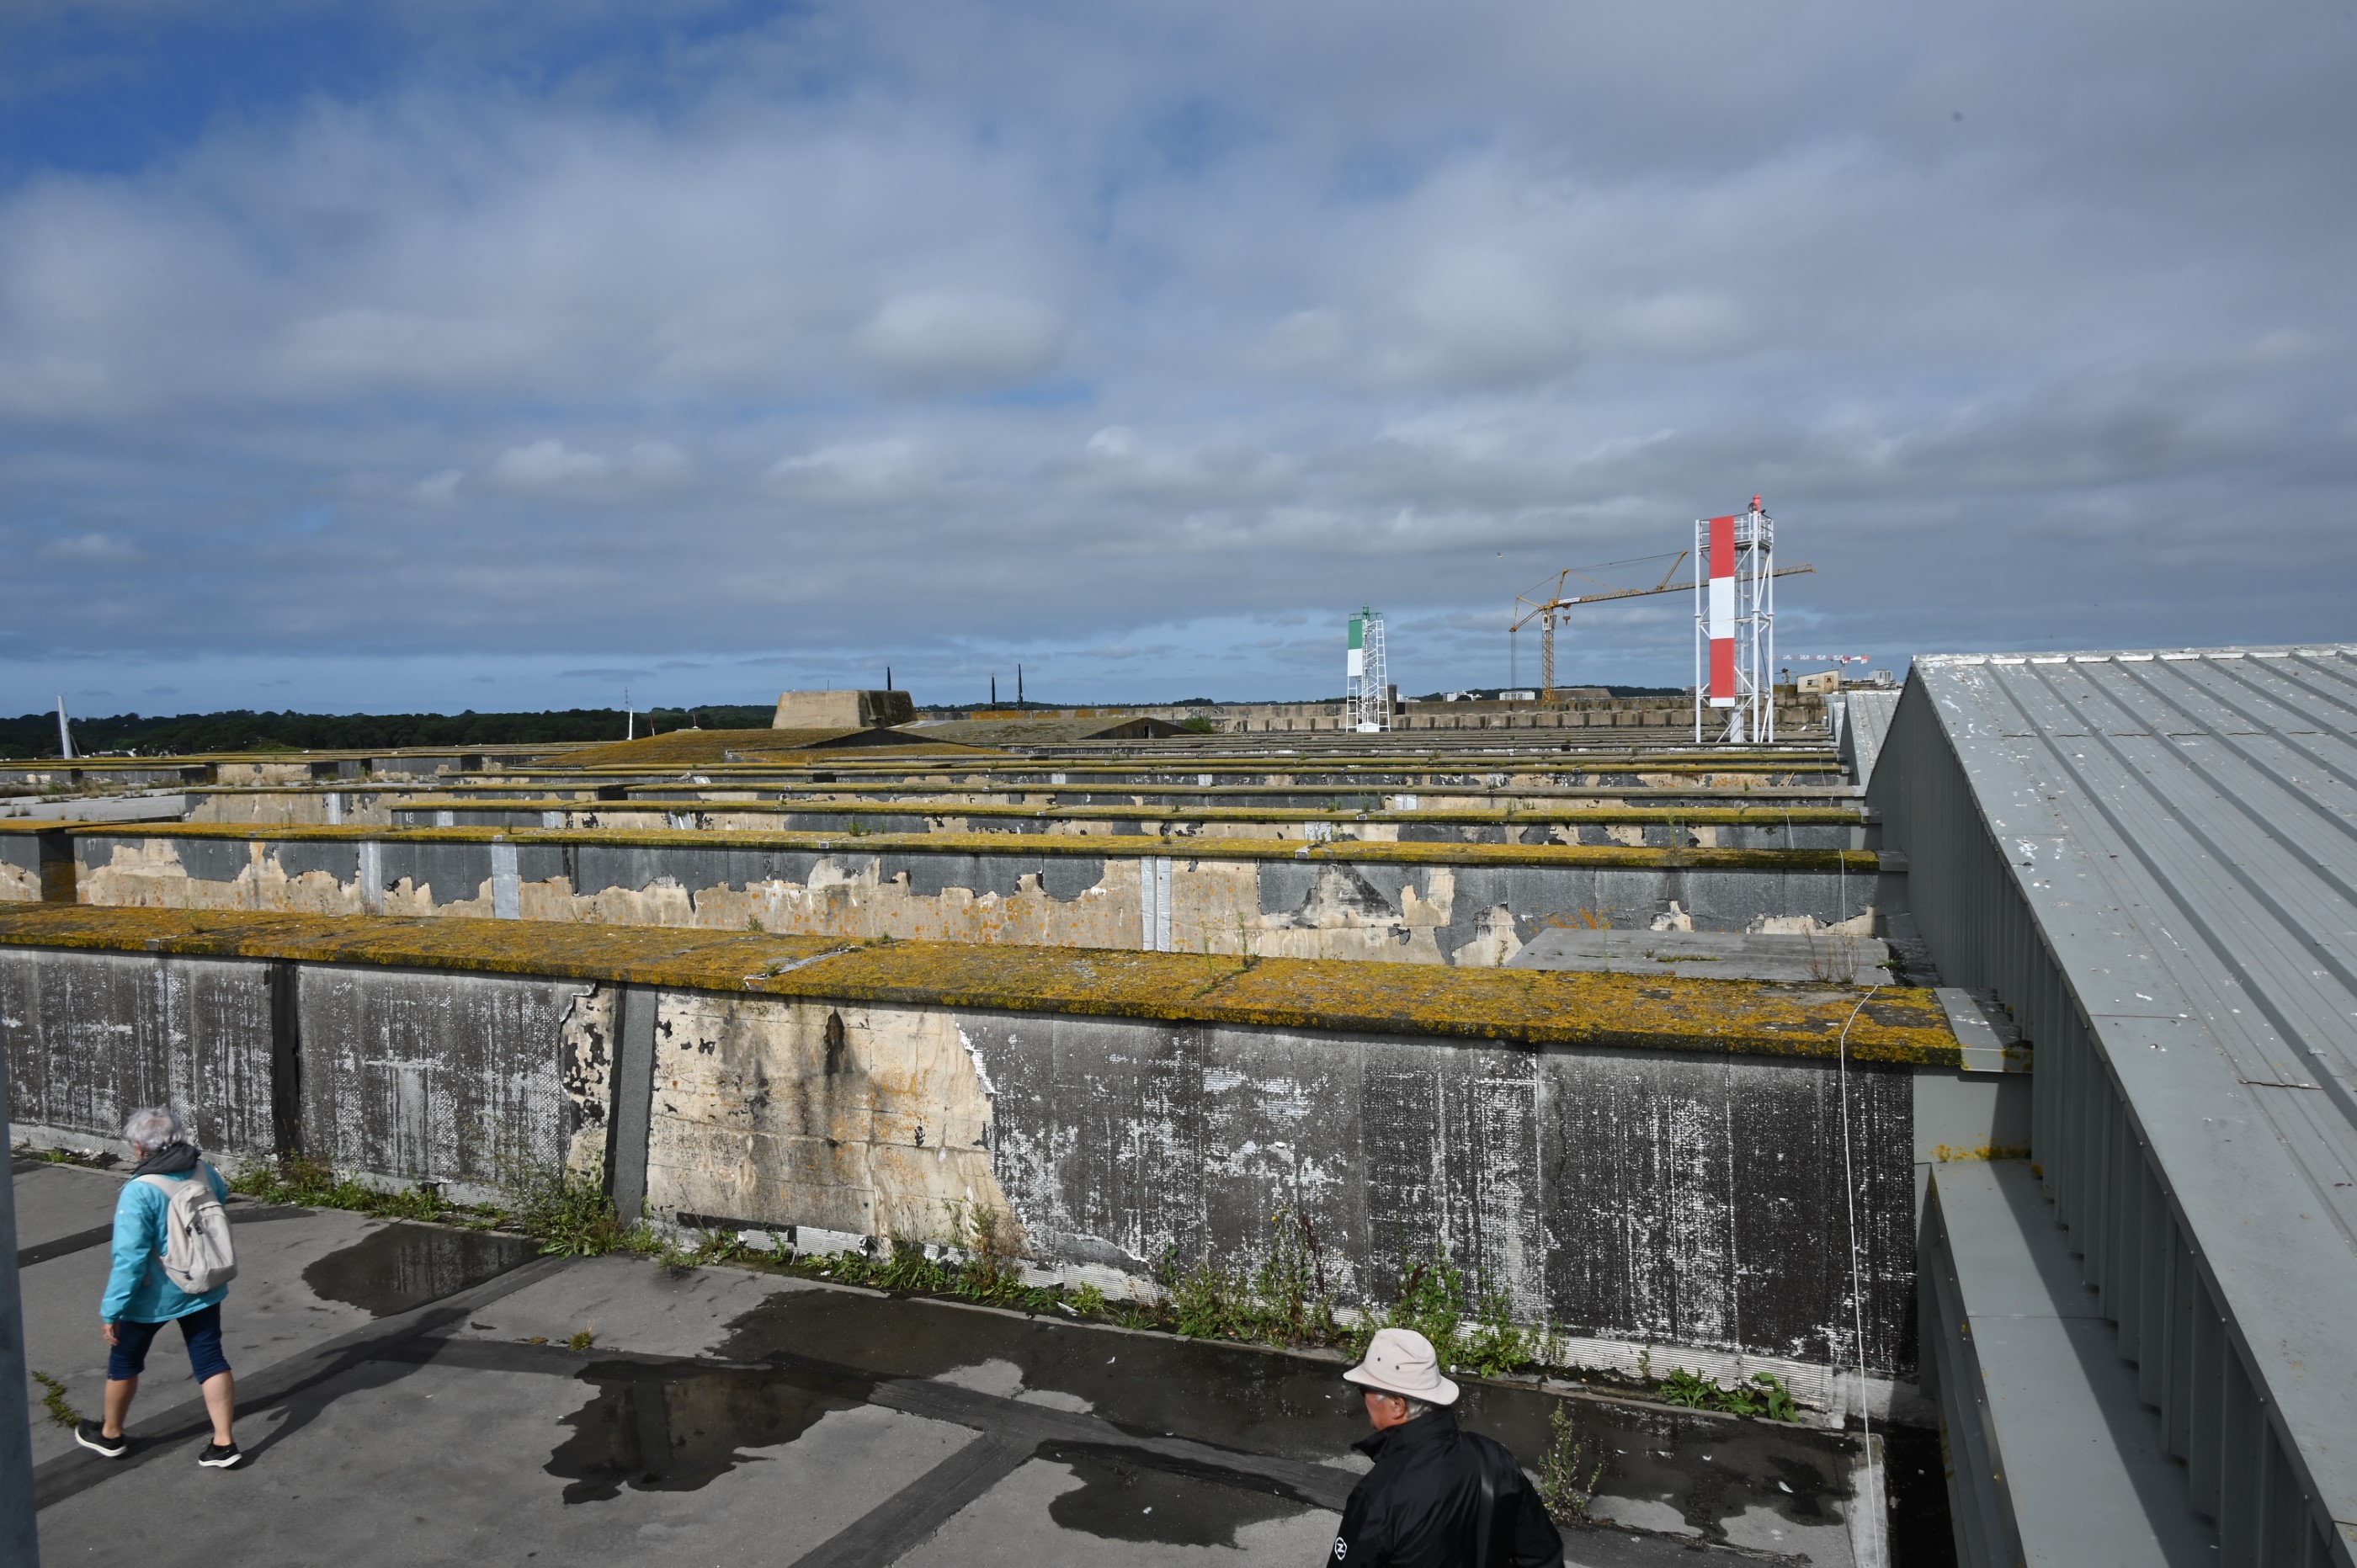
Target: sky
443,356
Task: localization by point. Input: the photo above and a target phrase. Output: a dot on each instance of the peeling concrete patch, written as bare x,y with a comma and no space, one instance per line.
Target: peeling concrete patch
872,1120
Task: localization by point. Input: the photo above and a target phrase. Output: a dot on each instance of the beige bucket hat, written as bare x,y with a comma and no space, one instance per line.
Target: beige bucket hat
1402,1361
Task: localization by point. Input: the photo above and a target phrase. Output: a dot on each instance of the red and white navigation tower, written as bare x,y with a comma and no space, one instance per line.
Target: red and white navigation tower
1734,627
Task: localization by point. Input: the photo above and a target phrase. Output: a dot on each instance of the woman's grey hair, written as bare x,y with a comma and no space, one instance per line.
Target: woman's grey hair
1416,1407
154,1128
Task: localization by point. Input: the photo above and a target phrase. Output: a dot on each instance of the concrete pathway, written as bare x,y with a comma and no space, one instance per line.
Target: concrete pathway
411,1394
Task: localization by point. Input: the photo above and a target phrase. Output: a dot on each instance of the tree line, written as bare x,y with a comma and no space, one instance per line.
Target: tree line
241,729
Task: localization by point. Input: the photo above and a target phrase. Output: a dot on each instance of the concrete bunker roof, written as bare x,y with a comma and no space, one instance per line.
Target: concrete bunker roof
1898,1026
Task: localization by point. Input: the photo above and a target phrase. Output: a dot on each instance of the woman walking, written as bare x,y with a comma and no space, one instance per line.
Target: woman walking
167,1235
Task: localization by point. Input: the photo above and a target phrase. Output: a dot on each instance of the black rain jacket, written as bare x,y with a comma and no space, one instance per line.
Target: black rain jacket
1421,1506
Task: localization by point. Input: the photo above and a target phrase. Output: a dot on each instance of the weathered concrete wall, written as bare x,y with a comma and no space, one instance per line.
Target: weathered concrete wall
457,1079
1434,827
1107,1106
20,868
1411,911
1694,1200
92,1036
391,1075
1625,1195
298,808
871,1122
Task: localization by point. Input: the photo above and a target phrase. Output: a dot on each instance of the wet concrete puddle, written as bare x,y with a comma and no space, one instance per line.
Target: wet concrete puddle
677,1426
1121,1500
404,1265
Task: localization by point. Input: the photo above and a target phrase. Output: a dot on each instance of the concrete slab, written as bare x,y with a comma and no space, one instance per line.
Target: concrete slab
55,1201
725,1415
1798,958
623,1302
1100,1509
395,1463
270,1315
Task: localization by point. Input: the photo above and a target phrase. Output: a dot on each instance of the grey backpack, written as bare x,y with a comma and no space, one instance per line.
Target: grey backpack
198,1253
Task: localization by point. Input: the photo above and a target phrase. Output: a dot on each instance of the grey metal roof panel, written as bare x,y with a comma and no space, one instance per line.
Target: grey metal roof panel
2183,825
1867,721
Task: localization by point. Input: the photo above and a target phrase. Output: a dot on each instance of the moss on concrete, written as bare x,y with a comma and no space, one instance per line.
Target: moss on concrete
1520,1007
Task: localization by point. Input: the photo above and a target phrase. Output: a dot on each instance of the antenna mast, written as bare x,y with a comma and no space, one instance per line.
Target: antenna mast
1366,687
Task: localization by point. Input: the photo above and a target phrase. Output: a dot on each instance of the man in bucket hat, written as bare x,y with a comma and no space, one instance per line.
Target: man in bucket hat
1438,1497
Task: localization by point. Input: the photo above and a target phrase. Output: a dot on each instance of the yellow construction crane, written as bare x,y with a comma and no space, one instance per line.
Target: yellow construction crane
1544,610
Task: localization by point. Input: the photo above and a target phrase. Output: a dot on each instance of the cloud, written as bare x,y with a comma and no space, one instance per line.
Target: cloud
838,337
863,472
90,546
960,342
549,468
438,489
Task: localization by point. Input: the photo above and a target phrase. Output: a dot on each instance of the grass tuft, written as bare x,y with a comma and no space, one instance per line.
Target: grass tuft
54,1401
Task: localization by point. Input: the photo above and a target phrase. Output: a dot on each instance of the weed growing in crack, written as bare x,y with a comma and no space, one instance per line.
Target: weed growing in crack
1565,1490
1762,1396
313,1183
567,1212
1295,1307
580,1339
53,1399
1206,1302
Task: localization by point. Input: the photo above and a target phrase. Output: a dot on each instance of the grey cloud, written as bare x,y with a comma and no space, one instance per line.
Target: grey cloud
548,467
944,342
895,334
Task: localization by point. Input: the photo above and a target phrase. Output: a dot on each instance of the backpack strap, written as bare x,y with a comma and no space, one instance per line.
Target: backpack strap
1485,1544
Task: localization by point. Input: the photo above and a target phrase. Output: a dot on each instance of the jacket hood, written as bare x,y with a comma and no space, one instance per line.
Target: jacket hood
172,1159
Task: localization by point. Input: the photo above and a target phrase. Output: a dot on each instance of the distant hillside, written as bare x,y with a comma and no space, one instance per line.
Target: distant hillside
36,735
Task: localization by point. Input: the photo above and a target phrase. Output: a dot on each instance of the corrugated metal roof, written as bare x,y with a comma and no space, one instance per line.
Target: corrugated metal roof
1867,722
2183,827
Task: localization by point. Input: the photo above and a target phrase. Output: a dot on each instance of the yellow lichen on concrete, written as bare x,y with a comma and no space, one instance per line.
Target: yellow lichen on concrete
867,1120
1532,1007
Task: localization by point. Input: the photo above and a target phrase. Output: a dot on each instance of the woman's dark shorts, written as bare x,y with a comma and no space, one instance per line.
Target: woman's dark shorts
200,1330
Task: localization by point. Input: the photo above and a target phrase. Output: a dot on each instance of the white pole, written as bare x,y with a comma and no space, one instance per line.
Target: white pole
1697,613
1768,621
629,719
64,736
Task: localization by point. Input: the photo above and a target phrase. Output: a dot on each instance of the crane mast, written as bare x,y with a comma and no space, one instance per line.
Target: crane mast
1546,602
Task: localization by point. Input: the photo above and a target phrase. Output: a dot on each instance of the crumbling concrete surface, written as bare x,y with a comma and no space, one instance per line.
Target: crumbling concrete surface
870,1122
1469,905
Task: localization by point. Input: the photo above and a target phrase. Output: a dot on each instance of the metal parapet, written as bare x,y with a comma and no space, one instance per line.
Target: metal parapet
2052,1457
